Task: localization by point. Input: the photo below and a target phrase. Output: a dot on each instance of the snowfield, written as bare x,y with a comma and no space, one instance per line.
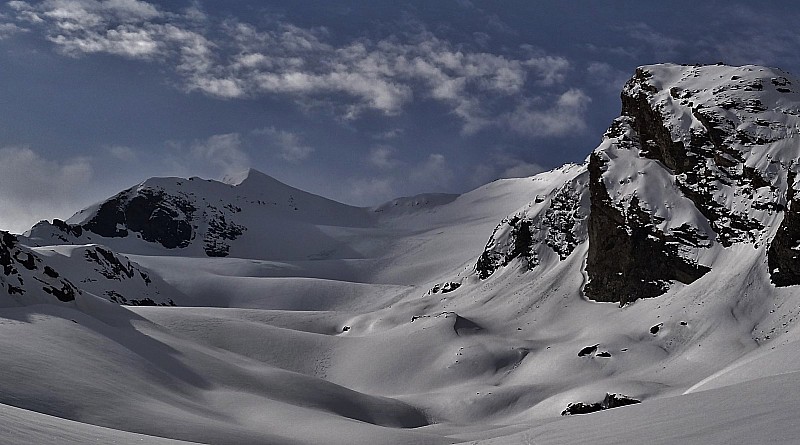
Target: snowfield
435,319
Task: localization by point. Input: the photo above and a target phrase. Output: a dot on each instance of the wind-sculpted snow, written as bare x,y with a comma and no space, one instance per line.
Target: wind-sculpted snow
307,321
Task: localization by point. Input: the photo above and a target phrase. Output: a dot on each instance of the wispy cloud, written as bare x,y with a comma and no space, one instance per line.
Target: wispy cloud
222,152
664,47
122,153
383,157
33,188
502,164
563,117
290,145
231,59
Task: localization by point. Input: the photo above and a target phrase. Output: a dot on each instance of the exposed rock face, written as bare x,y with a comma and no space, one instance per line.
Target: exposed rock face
26,279
717,135
629,258
702,158
784,250
517,242
444,288
552,225
219,231
170,219
609,401
155,215
43,275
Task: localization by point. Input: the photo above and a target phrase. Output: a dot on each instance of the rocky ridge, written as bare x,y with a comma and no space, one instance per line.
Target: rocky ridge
49,274
701,158
196,216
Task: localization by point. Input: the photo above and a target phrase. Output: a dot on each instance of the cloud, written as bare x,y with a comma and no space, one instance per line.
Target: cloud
291,148
522,170
9,29
389,134
122,153
231,59
661,45
369,191
502,164
223,153
33,188
565,116
394,178
119,27
603,74
769,41
383,157
433,172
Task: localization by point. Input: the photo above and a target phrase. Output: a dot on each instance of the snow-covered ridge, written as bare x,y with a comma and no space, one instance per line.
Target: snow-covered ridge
208,218
67,273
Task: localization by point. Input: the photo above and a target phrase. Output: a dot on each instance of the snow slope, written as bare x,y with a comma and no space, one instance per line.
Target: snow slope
661,269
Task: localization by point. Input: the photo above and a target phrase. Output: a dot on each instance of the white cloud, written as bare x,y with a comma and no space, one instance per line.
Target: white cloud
33,188
9,29
122,153
662,46
123,41
502,164
383,157
394,178
223,153
389,134
604,74
290,145
231,59
433,173
564,117
369,191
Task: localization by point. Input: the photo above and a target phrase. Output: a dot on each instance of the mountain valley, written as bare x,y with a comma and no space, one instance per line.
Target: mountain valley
648,294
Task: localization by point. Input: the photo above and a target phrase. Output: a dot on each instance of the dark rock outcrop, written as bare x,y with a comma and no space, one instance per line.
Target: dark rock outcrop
588,350
629,258
444,288
608,402
783,256
155,215
551,224
518,244
22,274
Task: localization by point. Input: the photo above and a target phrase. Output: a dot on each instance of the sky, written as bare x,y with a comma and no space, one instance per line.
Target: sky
361,102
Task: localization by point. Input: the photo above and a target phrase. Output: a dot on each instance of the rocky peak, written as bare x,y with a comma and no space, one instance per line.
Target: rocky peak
202,217
701,158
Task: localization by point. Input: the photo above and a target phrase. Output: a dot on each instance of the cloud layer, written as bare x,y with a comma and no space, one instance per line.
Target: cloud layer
231,59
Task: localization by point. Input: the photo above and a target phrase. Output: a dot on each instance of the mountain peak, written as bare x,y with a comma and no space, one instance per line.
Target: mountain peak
248,175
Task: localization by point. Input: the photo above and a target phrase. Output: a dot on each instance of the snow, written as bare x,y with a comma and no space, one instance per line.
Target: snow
319,326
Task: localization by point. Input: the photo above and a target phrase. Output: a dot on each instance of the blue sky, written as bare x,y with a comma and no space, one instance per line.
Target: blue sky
357,101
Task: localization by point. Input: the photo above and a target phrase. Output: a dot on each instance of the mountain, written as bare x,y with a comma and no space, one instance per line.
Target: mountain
702,158
254,216
646,295
64,273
